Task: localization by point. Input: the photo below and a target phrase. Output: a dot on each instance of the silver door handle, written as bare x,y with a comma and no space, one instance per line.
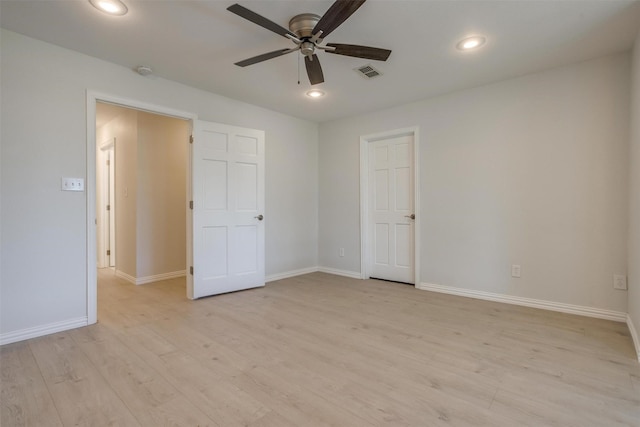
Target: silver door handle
259,217
412,216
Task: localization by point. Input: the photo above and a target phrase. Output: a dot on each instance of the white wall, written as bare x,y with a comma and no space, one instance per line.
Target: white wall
634,197
530,171
43,278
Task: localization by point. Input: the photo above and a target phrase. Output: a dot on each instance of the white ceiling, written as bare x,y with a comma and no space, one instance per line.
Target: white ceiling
197,43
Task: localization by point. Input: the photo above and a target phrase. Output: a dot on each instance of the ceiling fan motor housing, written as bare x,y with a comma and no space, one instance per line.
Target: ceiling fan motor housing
302,25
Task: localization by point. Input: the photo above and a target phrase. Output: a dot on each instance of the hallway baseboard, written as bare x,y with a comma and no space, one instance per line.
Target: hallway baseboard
150,279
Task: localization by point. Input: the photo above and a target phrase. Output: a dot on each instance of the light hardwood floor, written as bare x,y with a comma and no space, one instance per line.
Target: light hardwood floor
320,350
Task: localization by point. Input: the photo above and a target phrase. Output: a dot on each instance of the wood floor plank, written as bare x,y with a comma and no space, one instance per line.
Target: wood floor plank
526,411
272,419
81,395
24,397
635,380
322,350
202,382
149,397
295,401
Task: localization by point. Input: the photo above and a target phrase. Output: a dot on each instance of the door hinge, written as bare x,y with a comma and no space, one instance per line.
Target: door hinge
108,162
190,139
108,207
191,270
191,204
108,252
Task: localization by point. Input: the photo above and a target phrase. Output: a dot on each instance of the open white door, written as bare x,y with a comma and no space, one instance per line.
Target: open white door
228,207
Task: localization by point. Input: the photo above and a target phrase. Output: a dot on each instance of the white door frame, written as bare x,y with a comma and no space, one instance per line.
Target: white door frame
90,187
365,250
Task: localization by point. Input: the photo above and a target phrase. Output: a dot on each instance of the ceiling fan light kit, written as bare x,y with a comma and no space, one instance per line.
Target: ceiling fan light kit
307,31
315,93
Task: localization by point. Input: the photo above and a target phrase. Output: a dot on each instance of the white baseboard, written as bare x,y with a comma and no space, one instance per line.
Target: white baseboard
634,336
121,274
38,331
345,273
292,273
149,279
599,313
162,276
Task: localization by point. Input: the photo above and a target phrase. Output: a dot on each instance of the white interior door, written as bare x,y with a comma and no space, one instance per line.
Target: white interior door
391,209
228,208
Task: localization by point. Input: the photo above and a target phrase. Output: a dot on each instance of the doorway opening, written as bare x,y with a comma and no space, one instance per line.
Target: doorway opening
141,192
389,202
224,232
138,182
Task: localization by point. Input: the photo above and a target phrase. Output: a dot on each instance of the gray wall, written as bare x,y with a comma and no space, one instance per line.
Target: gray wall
44,137
529,171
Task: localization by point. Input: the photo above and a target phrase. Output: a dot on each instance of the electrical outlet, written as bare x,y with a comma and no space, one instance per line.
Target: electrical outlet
620,282
341,251
515,270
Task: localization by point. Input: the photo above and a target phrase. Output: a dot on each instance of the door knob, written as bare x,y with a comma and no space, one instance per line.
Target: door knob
412,216
259,217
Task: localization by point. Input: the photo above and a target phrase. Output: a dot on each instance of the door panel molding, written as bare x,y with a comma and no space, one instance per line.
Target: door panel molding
228,170
365,243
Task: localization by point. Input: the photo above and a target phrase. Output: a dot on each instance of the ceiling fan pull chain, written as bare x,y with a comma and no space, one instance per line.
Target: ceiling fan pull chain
298,69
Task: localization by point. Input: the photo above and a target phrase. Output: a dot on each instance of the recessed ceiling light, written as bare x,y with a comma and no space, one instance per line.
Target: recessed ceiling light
471,43
112,7
315,93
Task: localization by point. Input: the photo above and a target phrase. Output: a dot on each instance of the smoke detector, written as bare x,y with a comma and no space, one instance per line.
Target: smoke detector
144,70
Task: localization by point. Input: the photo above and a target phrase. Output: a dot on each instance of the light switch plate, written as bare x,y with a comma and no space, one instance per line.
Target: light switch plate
72,184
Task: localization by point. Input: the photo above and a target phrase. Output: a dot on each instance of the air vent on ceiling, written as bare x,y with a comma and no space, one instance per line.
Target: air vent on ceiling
367,71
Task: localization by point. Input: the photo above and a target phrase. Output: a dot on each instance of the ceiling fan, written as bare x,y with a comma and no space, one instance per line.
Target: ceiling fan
307,31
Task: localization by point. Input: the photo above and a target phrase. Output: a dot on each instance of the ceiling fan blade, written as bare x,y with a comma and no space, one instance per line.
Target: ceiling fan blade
336,15
265,56
314,70
259,20
366,52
